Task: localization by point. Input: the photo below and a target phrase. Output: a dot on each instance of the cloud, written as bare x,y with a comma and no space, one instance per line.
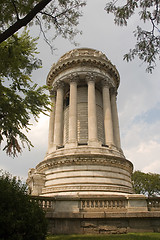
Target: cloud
145,156
141,145
39,131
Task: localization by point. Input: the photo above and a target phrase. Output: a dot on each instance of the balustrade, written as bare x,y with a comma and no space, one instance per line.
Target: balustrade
153,204
48,203
102,204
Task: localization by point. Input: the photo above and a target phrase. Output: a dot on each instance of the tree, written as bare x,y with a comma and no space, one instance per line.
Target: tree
63,15
146,183
20,98
20,218
147,47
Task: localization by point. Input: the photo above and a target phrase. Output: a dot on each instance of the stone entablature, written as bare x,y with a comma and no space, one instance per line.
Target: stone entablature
82,58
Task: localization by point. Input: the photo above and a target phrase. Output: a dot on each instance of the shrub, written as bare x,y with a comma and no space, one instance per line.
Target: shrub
20,218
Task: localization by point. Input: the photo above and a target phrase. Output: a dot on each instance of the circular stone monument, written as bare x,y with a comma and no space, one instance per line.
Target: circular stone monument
84,155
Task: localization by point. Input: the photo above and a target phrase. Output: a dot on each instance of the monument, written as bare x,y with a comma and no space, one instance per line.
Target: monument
85,178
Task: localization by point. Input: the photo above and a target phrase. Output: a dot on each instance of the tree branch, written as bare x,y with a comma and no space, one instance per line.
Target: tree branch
24,21
45,38
14,5
62,13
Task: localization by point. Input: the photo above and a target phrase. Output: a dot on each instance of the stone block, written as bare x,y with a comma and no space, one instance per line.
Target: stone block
140,225
67,206
89,223
67,226
136,203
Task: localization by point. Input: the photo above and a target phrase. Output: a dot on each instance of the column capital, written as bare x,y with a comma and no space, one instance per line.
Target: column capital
106,82
59,84
73,77
90,77
113,91
52,93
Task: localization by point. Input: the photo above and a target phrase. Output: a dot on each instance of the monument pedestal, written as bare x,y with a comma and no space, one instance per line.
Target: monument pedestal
113,213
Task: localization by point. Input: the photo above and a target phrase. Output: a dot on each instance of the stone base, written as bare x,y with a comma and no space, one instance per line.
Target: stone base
103,225
110,214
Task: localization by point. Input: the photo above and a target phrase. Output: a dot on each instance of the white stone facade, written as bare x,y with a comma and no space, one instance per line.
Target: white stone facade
84,152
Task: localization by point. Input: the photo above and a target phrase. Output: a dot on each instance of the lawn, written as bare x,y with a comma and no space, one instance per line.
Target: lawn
129,236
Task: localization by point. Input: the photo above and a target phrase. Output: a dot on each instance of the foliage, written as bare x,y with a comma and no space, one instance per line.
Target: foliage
147,47
62,16
20,99
146,183
129,236
20,219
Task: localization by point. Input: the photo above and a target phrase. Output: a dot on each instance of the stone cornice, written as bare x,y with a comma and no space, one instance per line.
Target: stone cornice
85,159
101,188
83,57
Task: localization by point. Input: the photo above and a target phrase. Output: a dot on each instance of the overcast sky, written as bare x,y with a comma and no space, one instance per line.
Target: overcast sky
138,94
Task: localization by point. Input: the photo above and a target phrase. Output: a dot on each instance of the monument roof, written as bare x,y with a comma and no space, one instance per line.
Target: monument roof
83,57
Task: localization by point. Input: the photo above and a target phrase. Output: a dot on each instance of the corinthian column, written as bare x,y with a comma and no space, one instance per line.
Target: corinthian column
92,117
115,119
51,123
58,130
73,113
108,126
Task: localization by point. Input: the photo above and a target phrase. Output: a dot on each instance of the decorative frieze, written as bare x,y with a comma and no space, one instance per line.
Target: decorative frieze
101,189
85,159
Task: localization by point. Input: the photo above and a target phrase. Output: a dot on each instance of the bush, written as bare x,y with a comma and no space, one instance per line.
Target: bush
20,218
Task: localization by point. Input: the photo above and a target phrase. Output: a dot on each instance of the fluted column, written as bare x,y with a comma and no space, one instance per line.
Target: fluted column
58,130
51,123
115,119
108,126
92,117
73,113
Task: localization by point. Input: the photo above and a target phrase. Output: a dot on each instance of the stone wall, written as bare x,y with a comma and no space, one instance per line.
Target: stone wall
103,226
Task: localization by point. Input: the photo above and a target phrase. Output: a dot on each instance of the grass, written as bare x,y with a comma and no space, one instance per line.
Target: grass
129,236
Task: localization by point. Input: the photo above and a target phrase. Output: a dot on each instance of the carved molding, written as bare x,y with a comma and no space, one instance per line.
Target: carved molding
107,82
85,160
73,77
83,57
113,91
80,188
91,77
59,84
83,52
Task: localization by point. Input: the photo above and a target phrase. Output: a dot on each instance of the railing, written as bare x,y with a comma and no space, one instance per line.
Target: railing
102,204
46,203
153,203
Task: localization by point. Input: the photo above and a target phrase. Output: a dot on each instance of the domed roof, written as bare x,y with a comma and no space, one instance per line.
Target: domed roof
83,52
83,56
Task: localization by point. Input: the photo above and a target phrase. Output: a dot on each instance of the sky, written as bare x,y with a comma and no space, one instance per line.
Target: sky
138,97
